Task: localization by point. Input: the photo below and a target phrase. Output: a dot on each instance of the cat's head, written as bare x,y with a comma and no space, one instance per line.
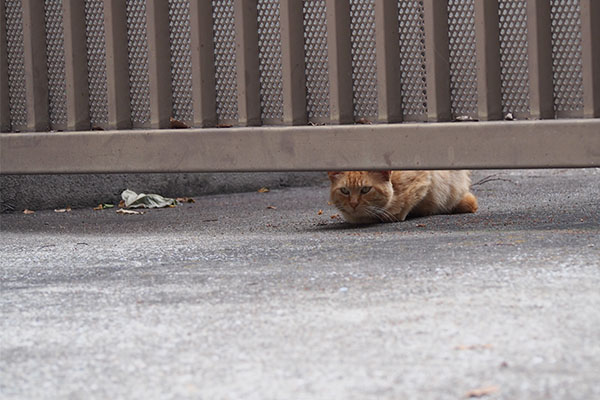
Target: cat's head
361,196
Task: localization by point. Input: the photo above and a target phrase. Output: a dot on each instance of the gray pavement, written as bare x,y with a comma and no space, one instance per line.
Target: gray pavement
228,299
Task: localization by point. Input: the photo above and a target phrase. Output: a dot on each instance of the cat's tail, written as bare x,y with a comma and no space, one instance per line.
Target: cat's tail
468,204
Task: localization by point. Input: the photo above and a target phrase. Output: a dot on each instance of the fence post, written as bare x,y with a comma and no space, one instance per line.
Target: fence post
436,61
539,38
292,60
590,27
36,75
76,73
389,100
203,63
4,100
117,69
340,62
487,43
159,63
248,74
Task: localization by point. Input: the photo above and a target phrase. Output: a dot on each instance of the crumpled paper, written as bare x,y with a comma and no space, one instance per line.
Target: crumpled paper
143,200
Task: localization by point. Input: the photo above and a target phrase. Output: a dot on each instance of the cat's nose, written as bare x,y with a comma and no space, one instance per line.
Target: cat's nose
354,204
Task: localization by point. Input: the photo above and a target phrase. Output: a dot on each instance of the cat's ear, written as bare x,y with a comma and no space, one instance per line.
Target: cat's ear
385,175
334,175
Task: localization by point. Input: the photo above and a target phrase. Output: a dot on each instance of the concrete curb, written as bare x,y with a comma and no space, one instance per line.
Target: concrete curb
39,192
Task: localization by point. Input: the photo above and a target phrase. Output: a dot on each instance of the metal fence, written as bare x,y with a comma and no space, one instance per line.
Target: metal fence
385,78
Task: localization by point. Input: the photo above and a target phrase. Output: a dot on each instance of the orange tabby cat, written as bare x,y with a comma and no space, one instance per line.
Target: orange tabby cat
390,196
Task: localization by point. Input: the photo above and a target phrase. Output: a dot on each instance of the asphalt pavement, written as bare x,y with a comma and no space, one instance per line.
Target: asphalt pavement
272,296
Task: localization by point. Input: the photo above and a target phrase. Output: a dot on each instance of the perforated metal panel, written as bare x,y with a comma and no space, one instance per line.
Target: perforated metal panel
55,59
96,61
566,55
225,60
364,58
137,47
463,69
412,59
269,53
316,59
514,60
16,63
181,59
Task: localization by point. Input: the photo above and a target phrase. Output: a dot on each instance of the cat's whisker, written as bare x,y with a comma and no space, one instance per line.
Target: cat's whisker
339,206
390,216
373,214
384,214
377,213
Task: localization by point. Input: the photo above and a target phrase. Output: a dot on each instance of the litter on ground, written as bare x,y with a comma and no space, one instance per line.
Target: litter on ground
143,200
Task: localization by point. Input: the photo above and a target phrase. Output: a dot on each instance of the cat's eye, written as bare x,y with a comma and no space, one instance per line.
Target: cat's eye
345,191
365,189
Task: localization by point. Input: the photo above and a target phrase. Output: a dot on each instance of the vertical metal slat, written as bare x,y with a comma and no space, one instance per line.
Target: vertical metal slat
55,65
388,61
292,60
138,62
36,76
489,95
97,81
4,100
514,61
436,61
539,38
462,59
13,14
180,41
117,75
316,61
248,76
159,63
203,67
567,62
270,61
413,71
76,73
340,62
226,90
590,26
363,51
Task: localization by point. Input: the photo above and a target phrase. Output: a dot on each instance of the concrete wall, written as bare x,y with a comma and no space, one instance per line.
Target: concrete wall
37,192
